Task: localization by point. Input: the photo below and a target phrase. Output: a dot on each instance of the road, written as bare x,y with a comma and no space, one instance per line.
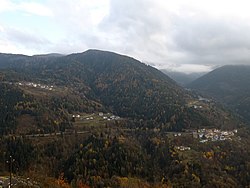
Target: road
6,181
56,134
48,134
16,182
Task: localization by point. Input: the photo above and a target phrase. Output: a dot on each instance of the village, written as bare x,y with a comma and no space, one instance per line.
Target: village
35,85
206,135
100,115
199,103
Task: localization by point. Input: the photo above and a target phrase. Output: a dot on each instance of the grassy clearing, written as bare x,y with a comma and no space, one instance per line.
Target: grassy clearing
92,120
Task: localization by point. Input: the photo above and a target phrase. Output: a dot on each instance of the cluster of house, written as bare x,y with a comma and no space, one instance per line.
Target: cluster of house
31,84
177,134
206,135
82,117
108,116
182,148
197,106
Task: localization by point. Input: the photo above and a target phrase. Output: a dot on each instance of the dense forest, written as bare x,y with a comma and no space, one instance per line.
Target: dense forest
229,85
140,158
105,81
100,119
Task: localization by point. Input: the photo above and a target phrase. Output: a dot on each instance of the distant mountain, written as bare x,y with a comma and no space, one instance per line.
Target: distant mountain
228,84
59,121
98,80
49,55
181,78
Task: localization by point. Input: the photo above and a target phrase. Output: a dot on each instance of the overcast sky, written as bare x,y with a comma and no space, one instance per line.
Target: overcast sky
182,35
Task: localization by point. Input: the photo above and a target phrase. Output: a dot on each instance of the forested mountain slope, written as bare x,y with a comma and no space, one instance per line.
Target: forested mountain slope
229,85
183,78
111,82
102,119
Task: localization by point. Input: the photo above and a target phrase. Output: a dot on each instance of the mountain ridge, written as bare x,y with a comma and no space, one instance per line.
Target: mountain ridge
120,83
101,119
228,84
182,78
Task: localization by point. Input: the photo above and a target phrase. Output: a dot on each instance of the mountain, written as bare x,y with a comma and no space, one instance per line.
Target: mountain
100,119
119,82
181,78
228,84
98,80
49,55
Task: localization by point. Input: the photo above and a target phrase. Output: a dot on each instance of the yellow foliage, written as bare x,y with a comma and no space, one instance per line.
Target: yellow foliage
80,184
62,182
196,178
56,122
106,144
208,155
229,168
131,182
156,141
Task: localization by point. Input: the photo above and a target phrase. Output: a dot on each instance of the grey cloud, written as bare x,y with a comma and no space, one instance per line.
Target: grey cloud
150,32
26,39
135,28
140,29
154,34
213,41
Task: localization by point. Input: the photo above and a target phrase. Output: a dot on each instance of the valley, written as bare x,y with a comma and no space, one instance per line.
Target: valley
228,85
100,119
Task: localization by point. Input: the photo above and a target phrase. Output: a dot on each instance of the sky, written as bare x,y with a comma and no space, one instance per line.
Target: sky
179,35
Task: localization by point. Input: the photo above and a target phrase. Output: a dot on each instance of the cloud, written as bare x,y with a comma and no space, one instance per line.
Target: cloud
195,36
213,41
6,5
32,8
187,68
135,29
28,39
12,40
79,22
192,35
79,16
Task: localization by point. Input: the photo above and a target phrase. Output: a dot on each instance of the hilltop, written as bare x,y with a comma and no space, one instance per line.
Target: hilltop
229,85
182,78
104,81
102,119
